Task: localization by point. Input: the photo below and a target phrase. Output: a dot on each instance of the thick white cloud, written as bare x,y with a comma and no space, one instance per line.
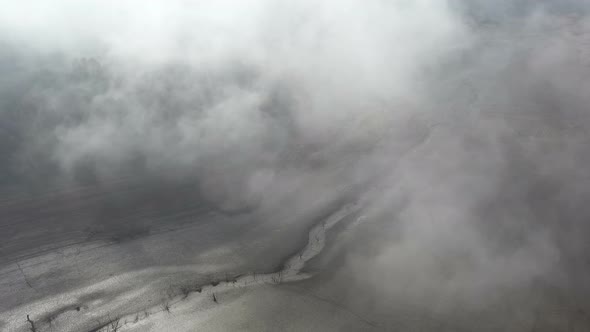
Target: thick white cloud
261,98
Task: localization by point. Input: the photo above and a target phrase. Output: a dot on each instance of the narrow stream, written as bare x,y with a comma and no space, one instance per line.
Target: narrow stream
291,271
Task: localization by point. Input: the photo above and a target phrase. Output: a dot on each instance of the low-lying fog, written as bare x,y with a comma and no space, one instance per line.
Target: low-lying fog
196,156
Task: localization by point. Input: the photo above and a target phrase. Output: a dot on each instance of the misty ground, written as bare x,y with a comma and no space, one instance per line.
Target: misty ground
262,165
77,277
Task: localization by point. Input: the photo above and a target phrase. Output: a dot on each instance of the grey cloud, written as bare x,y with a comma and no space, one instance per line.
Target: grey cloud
461,125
